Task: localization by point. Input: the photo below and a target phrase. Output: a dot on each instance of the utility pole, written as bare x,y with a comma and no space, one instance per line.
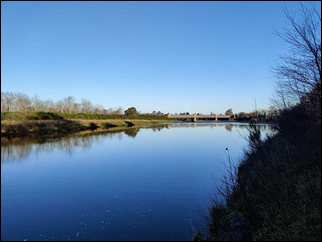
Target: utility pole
256,109
255,105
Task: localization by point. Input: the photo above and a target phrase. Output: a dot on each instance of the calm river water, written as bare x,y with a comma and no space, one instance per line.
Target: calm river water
137,185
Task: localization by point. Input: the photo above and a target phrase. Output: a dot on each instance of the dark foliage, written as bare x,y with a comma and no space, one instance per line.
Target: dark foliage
278,189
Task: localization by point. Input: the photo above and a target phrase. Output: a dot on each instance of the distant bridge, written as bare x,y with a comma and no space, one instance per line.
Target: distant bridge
195,117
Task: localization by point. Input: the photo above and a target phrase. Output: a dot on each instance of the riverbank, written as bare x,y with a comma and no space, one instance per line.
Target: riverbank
276,194
43,129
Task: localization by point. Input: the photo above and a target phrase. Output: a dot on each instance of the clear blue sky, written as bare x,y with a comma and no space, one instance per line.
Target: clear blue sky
173,56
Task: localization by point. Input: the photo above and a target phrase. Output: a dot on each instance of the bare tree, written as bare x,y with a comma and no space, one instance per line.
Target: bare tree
11,102
299,73
68,104
22,102
86,106
4,102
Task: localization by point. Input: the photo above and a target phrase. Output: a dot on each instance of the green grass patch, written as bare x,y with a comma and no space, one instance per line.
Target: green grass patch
20,116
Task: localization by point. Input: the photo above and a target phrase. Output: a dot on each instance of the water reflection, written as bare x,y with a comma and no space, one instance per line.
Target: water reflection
228,125
19,150
16,151
132,132
130,185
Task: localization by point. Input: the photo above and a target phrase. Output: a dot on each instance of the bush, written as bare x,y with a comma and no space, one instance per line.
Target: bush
44,116
109,125
93,126
278,188
131,112
21,116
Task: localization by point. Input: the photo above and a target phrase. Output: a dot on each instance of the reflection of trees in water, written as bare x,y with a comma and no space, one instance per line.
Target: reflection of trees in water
15,152
131,132
229,127
159,128
21,150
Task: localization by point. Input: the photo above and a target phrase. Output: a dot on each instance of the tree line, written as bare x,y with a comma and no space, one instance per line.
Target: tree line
19,102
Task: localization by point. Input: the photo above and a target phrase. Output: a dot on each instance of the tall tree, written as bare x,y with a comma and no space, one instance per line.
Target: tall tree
229,112
131,111
299,72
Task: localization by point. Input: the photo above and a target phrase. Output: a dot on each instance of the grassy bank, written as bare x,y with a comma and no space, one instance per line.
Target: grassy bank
83,116
46,125
277,192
